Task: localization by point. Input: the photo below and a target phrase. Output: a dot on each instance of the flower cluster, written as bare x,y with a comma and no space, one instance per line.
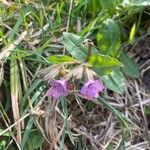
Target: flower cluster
63,87
89,90
80,71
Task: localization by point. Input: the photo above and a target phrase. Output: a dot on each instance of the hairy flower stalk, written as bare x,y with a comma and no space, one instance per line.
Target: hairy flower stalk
91,89
58,89
90,45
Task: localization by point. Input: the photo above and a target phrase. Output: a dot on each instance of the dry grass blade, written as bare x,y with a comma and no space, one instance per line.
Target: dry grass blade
7,121
6,3
51,124
11,126
140,146
6,51
1,74
143,114
14,79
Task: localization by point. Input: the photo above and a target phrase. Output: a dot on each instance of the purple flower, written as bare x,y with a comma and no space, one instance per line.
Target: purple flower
58,89
91,89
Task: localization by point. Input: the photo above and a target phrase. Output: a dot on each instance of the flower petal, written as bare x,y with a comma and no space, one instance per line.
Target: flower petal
91,89
58,89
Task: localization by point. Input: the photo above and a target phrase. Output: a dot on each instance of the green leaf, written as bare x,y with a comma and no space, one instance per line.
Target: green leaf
89,27
65,115
16,28
64,108
62,141
132,34
103,71
140,3
103,61
74,45
130,68
108,38
88,30
27,132
60,59
147,110
66,127
36,140
6,133
93,7
22,14
3,144
31,89
122,143
115,81
135,6
109,5
3,37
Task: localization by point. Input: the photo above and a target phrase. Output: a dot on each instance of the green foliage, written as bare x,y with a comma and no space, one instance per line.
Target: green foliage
103,61
16,28
35,140
27,132
72,43
103,21
60,59
94,7
147,110
103,71
132,34
135,6
130,68
140,3
103,65
35,86
115,81
109,5
66,126
108,38
3,144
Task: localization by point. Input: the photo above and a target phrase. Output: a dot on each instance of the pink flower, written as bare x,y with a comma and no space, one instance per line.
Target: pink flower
58,89
91,89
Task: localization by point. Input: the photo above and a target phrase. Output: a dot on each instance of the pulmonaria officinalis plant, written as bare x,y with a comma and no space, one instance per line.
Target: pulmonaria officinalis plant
81,71
81,68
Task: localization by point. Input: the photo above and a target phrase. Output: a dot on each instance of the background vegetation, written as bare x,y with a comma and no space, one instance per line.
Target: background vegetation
34,35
